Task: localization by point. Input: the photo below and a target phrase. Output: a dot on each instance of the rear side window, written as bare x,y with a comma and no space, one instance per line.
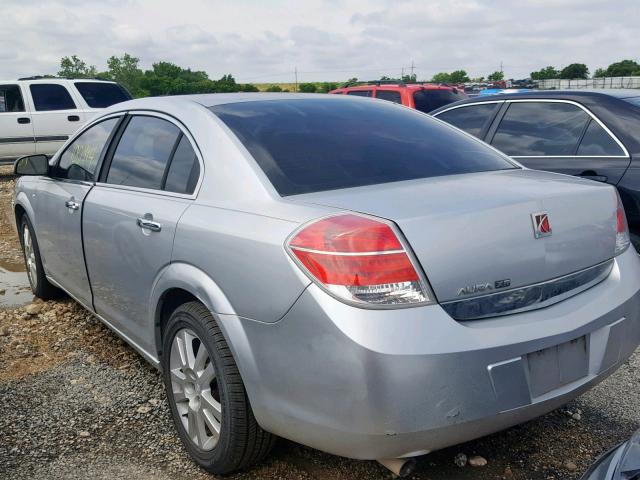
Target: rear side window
79,160
11,99
184,169
596,141
471,119
360,93
428,100
143,152
317,144
51,96
540,129
102,95
390,95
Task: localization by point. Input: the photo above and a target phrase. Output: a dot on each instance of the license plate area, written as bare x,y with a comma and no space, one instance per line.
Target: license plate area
556,366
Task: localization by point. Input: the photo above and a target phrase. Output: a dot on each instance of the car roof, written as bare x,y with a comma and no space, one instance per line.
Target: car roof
408,86
559,94
50,79
213,99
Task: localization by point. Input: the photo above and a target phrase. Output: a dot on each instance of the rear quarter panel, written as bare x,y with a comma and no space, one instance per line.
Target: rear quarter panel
243,254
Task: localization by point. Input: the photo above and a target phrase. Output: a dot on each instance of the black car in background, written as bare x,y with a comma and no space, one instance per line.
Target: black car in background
589,133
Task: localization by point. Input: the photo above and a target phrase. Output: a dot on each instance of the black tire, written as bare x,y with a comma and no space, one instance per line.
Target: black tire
40,286
242,442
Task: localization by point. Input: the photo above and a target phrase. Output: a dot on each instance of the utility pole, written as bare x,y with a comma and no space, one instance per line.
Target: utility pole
412,68
296,74
501,71
402,74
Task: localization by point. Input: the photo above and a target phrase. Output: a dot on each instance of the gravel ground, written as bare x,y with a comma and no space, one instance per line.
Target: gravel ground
76,403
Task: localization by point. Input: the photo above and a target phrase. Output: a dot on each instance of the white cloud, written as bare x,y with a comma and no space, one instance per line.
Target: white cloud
330,40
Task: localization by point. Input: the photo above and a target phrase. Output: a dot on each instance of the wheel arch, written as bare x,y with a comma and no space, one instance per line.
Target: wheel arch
180,283
23,206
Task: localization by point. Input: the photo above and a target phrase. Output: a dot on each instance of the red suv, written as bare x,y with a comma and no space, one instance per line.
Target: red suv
425,97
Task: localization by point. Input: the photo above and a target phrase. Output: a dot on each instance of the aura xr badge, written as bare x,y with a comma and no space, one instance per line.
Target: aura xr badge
541,225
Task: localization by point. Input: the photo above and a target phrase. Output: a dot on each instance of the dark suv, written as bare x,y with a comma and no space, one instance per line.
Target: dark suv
424,96
589,133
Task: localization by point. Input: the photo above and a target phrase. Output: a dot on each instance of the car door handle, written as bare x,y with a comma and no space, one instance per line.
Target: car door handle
24,120
72,204
73,118
148,224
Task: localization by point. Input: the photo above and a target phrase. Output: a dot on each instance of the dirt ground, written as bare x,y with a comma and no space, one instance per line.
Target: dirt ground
76,402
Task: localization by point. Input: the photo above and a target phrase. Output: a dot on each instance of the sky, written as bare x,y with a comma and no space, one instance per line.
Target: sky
331,40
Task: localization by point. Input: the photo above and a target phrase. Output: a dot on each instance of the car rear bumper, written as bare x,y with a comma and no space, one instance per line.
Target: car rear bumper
374,384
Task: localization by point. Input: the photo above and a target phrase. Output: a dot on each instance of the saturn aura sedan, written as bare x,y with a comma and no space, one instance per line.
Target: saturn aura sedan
349,274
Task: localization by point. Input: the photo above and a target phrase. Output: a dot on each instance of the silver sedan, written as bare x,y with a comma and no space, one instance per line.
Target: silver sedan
343,272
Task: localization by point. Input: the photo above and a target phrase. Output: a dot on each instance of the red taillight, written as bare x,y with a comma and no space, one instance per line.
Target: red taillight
622,230
359,259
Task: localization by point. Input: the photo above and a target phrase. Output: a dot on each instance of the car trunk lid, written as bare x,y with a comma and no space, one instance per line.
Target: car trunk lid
473,234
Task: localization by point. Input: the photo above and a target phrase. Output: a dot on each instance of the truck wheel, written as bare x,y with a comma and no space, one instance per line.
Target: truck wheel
208,401
40,286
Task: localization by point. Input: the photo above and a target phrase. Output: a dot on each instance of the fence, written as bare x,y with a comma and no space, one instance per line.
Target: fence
602,82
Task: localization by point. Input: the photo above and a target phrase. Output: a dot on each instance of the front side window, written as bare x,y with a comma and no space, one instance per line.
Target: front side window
184,170
360,93
428,100
597,142
143,152
390,95
540,129
102,95
80,159
51,96
471,119
11,99
314,145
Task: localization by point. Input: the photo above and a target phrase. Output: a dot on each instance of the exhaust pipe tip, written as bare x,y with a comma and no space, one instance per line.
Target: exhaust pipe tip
400,467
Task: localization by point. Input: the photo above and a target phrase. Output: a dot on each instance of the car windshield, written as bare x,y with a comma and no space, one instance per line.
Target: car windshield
339,142
102,95
428,100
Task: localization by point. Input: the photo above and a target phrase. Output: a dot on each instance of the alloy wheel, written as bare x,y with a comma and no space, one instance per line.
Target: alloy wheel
30,257
195,389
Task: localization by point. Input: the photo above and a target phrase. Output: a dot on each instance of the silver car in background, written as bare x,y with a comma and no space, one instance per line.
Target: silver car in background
345,273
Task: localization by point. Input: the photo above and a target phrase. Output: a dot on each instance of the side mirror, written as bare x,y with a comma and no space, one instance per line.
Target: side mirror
31,165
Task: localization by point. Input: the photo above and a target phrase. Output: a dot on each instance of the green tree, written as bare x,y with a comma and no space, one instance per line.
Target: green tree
307,87
624,68
495,76
126,72
600,72
575,70
442,77
409,78
74,67
274,88
459,76
545,73
326,87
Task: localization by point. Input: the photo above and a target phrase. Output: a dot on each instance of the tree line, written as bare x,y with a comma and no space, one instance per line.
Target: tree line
623,68
166,78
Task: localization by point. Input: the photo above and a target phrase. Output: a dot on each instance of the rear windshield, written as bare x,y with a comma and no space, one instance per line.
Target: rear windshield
102,95
340,142
428,100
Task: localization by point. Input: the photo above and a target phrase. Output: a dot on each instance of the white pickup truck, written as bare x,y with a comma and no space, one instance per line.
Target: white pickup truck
37,115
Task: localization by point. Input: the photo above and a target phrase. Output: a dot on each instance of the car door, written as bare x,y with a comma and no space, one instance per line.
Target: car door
560,136
55,115
59,208
16,128
131,215
474,119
